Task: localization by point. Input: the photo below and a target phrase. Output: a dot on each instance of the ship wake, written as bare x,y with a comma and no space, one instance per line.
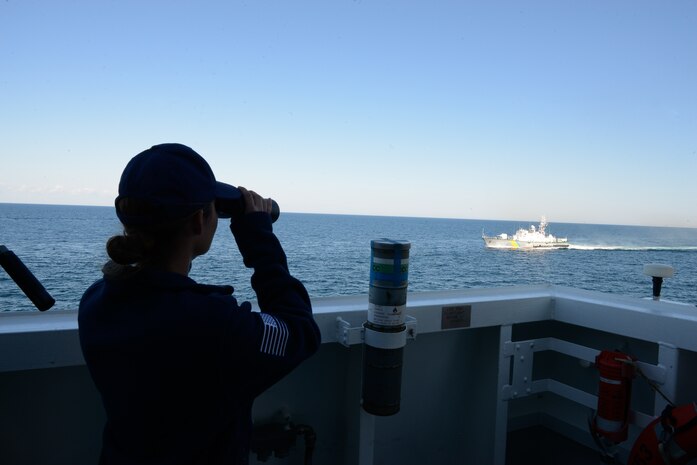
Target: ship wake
633,248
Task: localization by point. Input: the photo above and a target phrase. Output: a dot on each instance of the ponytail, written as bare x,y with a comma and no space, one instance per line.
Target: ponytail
130,248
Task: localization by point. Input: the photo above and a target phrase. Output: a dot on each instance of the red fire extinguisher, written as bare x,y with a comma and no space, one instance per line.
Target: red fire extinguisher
612,417
670,439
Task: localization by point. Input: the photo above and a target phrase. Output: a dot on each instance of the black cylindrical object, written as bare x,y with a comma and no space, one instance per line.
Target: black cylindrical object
235,208
25,279
657,284
385,330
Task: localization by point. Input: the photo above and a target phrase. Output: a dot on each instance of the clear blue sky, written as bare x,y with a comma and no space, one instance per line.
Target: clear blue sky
583,111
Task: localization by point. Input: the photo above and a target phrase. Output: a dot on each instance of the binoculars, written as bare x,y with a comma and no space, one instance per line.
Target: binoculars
235,208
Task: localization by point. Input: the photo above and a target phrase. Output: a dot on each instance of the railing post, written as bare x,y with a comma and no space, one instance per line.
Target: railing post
366,444
667,358
501,426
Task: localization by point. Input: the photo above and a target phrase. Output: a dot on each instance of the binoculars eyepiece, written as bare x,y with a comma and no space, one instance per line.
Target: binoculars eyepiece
235,208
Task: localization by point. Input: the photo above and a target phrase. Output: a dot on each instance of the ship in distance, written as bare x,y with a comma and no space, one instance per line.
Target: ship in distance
531,238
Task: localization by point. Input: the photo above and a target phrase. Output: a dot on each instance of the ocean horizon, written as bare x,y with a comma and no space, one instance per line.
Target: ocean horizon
507,220
64,246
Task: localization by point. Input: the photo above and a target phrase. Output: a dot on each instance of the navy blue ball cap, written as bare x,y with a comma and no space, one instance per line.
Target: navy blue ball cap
171,181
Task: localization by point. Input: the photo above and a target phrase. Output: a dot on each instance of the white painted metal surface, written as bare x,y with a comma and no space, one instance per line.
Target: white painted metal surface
530,322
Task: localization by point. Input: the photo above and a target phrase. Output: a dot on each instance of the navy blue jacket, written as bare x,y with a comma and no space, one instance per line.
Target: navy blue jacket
178,364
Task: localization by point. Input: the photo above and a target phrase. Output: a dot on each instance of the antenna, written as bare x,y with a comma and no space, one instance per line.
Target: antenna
658,271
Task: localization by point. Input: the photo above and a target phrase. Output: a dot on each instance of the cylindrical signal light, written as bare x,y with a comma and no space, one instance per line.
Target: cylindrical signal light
385,330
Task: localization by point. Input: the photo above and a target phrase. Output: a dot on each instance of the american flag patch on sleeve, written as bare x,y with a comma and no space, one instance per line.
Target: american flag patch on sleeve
275,336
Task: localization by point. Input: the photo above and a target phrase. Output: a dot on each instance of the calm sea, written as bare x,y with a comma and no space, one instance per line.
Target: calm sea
64,247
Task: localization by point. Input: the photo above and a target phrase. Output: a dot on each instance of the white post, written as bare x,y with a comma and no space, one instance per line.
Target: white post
668,358
501,427
366,445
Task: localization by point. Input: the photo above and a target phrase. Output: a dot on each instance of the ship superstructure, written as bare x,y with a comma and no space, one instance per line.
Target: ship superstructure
531,238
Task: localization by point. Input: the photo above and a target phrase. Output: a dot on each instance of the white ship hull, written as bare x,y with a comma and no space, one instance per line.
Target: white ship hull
531,238
497,243
52,413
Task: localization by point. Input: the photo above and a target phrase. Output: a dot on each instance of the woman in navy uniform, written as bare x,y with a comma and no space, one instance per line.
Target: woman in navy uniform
178,364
